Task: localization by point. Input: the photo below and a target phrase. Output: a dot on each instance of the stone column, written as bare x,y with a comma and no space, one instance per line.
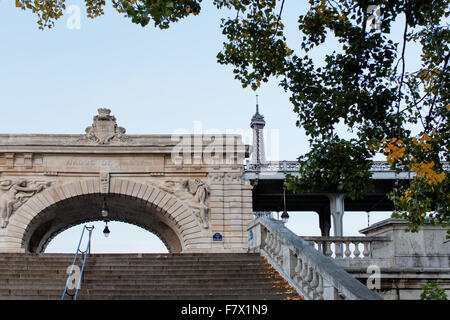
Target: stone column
216,217
247,210
337,212
324,221
237,217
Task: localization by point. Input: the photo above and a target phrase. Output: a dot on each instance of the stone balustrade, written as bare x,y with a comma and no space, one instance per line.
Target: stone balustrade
345,247
314,275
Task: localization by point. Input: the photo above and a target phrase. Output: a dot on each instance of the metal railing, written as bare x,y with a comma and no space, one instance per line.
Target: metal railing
294,166
78,277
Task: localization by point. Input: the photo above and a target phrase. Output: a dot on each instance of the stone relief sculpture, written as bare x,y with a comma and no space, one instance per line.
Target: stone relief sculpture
194,193
105,130
15,194
200,192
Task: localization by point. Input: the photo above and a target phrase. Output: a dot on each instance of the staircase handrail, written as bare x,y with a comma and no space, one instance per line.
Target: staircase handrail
84,256
312,274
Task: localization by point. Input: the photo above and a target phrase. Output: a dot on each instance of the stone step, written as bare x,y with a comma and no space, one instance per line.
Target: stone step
156,291
56,256
187,264
91,265
132,272
184,291
97,257
147,276
145,280
141,267
111,286
113,283
206,264
198,297
140,277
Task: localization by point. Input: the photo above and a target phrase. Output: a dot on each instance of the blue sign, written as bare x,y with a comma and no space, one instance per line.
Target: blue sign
217,237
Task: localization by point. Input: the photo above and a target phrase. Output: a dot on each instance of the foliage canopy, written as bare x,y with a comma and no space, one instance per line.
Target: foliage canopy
363,84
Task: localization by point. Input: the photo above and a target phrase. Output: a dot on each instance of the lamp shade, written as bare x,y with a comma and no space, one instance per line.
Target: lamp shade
106,231
285,216
105,209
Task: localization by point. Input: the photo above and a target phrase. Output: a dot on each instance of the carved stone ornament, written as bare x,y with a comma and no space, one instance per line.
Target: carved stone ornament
233,177
193,193
13,194
216,177
105,130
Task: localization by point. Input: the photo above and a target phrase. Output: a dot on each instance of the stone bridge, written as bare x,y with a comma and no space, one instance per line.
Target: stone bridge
183,188
268,181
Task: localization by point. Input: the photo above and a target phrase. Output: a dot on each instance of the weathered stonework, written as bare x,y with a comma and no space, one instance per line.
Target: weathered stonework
51,182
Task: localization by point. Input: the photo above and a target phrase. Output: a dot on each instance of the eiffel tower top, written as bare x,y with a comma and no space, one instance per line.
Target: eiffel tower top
257,119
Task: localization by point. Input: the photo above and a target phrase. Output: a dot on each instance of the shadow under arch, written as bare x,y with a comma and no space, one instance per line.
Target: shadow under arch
73,211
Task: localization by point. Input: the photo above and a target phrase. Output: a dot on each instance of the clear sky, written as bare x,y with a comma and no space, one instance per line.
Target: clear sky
154,81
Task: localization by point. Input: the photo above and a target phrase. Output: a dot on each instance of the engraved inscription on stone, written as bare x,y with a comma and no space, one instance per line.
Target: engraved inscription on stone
102,163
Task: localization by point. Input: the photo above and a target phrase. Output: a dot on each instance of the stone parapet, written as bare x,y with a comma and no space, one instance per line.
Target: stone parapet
427,248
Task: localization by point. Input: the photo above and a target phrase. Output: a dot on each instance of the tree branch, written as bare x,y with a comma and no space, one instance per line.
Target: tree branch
402,75
415,105
279,16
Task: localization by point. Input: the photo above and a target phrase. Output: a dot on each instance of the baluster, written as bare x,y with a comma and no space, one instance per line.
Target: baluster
304,272
280,250
266,242
338,248
314,283
309,273
276,248
319,290
347,249
269,244
319,246
308,278
272,245
356,252
298,270
366,251
328,251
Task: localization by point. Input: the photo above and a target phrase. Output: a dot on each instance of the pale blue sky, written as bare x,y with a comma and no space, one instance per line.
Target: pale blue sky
154,81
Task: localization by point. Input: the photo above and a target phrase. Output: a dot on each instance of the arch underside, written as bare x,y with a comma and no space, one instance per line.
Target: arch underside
69,212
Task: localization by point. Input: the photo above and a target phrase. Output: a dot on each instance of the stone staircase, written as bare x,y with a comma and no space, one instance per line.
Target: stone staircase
221,276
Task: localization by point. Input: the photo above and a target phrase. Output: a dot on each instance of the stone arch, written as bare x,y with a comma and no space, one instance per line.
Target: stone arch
55,209
172,246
